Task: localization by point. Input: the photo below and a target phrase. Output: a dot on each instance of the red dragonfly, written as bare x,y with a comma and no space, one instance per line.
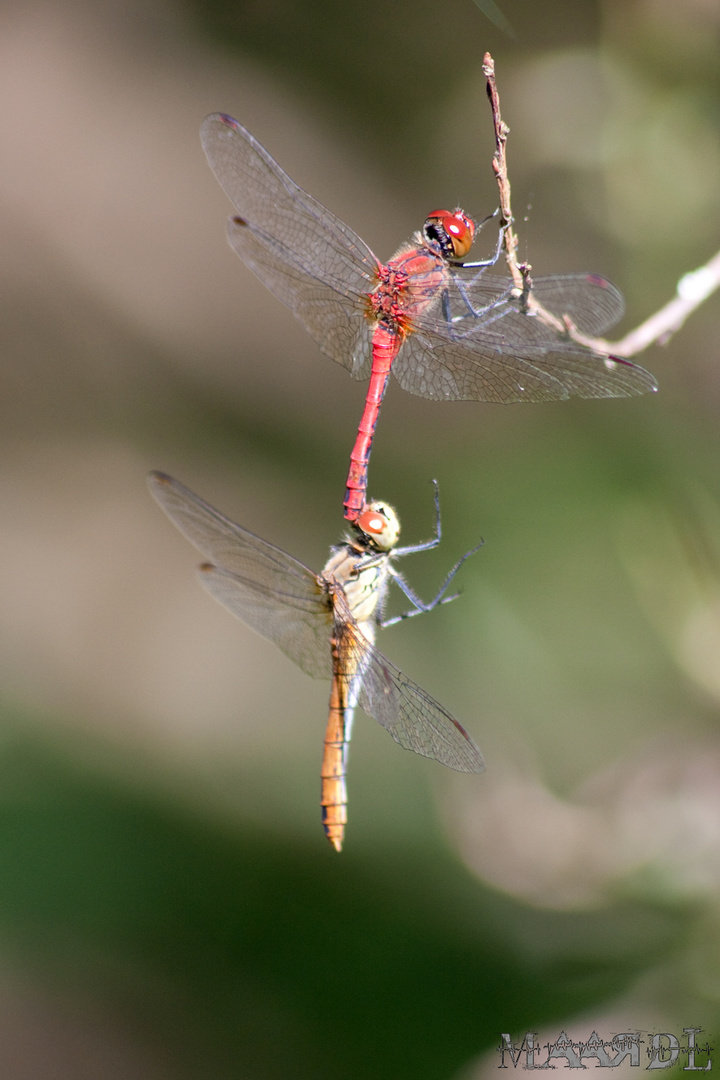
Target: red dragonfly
449,330
326,623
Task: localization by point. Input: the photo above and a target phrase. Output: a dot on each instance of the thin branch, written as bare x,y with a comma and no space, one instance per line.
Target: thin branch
693,288
499,164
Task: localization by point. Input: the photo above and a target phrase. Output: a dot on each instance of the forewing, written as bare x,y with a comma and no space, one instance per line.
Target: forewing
264,586
593,303
414,719
305,254
299,624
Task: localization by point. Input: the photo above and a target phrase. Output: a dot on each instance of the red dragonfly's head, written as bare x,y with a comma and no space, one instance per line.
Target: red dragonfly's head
453,231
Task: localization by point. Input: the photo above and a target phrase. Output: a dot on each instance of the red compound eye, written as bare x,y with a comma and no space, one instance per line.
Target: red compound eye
372,523
459,228
379,523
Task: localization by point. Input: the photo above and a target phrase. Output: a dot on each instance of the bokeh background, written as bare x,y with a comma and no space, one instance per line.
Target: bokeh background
168,904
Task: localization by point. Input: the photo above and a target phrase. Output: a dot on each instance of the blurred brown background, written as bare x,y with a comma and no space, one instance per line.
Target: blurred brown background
167,903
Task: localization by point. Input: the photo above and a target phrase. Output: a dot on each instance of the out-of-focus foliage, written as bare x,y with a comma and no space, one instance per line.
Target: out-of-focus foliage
250,955
167,903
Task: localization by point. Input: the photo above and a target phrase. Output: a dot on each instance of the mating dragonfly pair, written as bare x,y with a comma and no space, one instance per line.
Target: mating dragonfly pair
448,330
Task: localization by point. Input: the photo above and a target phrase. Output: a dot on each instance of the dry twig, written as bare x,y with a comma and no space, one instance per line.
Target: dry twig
693,288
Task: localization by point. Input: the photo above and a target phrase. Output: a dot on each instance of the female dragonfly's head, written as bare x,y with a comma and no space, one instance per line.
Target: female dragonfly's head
378,526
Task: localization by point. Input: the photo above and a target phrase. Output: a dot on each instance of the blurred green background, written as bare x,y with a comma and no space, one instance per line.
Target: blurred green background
168,904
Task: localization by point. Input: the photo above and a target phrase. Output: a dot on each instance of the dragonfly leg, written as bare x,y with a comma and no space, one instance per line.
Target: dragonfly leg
499,305
483,263
419,606
489,314
426,545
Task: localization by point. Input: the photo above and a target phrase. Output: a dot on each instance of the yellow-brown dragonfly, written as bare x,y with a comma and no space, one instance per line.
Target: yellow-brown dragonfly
326,623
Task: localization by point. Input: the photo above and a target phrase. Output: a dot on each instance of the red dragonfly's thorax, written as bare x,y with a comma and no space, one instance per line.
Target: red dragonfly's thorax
407,285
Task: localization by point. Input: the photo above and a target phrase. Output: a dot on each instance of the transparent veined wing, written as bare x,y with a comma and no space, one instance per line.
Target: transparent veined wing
414,719
315,263
337,322
502,354
271,592
593,303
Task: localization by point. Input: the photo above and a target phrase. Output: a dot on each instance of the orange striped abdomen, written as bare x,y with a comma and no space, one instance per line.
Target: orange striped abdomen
333,792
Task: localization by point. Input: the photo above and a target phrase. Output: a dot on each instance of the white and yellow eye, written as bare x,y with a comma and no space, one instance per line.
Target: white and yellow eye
379,522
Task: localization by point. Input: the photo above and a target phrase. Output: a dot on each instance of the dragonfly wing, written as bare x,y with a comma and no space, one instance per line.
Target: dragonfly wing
335,320
414,719
593,303
273,593
223,542
487,369
505,355
299,624
302,240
